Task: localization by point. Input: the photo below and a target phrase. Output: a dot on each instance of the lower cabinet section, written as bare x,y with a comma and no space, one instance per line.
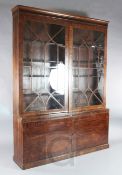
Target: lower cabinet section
56,139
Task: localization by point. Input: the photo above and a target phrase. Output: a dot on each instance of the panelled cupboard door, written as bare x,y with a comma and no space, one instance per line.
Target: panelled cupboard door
90,131
44,65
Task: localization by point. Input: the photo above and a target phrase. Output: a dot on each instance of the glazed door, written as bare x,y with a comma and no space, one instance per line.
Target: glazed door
87,68
44,66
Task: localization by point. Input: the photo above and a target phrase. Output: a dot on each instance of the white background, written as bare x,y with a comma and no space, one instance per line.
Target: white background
102,162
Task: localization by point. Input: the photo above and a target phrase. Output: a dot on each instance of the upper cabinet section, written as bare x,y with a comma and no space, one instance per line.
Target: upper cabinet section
59,61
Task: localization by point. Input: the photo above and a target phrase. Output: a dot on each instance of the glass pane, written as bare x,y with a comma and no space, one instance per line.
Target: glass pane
43,66
87,67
